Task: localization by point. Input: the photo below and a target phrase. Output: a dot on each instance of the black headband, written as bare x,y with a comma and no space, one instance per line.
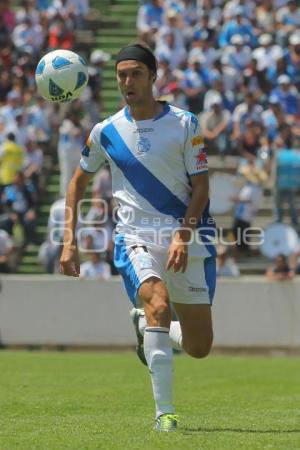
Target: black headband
138,53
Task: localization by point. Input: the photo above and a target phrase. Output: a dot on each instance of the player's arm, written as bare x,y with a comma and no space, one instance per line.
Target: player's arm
69,261
178,250
92,158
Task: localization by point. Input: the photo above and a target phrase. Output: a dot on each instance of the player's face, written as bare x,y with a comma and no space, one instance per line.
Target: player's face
135,81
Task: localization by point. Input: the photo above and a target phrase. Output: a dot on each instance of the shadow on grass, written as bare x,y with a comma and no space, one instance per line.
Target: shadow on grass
236,430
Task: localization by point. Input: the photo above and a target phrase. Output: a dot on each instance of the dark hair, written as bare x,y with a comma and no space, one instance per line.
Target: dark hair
11,136
139,51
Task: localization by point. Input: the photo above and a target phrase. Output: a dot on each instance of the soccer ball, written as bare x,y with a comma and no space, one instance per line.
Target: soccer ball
61,76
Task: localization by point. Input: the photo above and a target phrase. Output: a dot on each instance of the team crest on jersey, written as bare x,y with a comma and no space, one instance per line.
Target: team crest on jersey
143,145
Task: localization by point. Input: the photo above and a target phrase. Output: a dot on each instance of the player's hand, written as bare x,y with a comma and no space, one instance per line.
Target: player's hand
69,261
177,254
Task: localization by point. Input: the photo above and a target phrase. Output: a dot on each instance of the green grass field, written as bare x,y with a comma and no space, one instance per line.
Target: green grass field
101,400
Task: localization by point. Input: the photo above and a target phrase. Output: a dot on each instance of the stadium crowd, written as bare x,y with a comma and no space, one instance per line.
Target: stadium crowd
235,64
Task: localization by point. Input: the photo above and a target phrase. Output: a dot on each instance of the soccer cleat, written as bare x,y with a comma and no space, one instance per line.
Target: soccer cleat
166,422
135,315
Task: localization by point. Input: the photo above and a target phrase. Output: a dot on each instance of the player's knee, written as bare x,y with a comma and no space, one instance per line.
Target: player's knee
200,349
161,309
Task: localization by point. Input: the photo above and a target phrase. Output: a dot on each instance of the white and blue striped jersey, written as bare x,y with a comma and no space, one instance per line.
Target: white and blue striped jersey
151,163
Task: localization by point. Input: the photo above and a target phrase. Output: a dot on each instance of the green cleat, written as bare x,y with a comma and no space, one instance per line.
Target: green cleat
135,315
166,422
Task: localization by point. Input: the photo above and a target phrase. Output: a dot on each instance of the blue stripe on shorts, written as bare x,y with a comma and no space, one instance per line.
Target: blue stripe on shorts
210,276
126,269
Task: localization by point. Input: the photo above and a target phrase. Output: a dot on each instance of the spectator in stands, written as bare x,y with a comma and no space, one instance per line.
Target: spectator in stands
238,55
293,59
102,187
168,50
97,237
21,128
28,11
287,20
281,270
193,85
219,88
213,9
173,23
61,34
33,163
6,248
238,25
251,141
165,76
39,118
22,197
202,47
79,9
28,36
11,160
70,144
95,268
205,26
288,97
247,203
10,109
265,16
7,15
93,101
149,20
254,80
287,173
247,5
50,250
245,111
215,127
226,266
273,118
266,54
5,84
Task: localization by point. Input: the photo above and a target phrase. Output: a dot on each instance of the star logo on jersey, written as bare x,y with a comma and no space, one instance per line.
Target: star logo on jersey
143,145
201,160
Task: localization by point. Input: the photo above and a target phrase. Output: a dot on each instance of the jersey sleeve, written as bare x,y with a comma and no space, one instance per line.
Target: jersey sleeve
194,151
93,156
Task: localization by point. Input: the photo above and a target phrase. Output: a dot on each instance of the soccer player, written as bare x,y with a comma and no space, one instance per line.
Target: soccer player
163,243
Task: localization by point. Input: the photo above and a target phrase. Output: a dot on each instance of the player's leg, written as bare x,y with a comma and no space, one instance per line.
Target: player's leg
192,294
196,328
158,350
139,321
142,280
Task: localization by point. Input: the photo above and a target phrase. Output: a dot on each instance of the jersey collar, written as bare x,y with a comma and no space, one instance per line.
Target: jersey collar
166,109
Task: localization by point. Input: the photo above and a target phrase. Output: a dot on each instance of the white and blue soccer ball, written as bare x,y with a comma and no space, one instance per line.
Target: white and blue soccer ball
61,76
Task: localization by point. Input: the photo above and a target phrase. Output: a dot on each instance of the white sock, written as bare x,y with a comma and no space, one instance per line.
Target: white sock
175,332
176,335
159,356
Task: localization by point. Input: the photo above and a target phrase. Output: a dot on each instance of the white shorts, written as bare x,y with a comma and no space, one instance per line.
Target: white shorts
137,263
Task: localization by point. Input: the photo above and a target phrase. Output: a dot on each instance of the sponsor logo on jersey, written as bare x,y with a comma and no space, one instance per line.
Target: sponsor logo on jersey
143,130
197,289
143,145
197,140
